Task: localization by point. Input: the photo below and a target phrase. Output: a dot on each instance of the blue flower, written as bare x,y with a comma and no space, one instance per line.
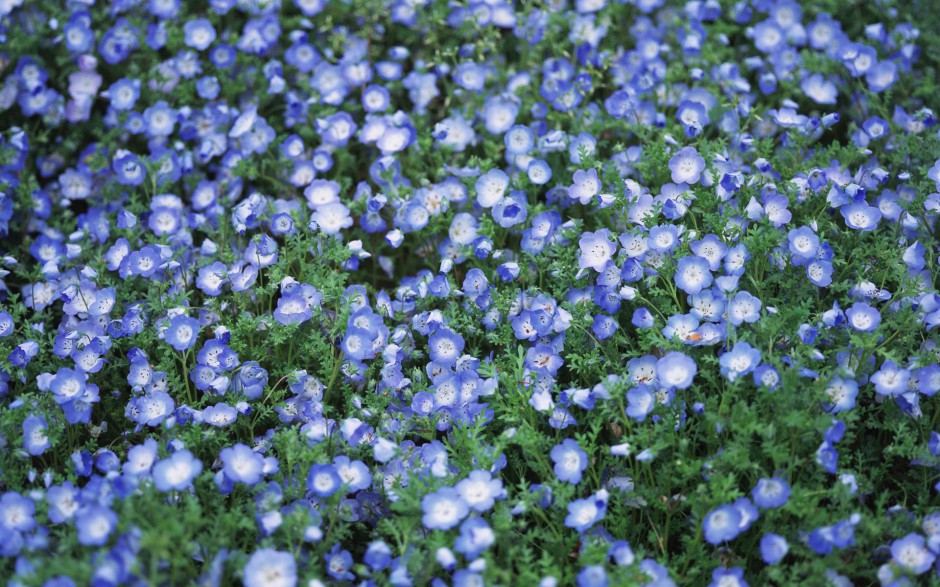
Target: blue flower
480,490
676,371
339,563
443,509
773,548
95,524
241,464
323,480
182,332
693,274
584,513
570,461
641,402
733,577
740,360
199,34
270,568
176,472
687,166
36,435
475,537
912,555
722,524
771,493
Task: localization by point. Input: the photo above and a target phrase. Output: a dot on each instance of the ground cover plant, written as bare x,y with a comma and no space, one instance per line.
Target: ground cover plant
403,292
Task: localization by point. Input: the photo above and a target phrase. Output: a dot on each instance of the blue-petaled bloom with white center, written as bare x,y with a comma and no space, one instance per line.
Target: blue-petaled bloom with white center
773,547
686,166
270,568
596,249
584,513
722,524
733,577
570,461
445,346
176,472
292,309
323,480
16,512
863,317
740,360
803,244
490,187
199,34
912,555
640,402
771,493
480,490
35,435
676,370
95,524
743,307
842,393
443,509
891,379
338,563
693,274
586,185
475,537
182,332
241,464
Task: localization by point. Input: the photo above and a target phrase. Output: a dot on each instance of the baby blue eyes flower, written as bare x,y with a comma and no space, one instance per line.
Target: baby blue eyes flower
443,509
676,371
686,166
773,548
693,274
182,332
270,568
323,480
241,464
722,524
912,555
35,435
95,524
199,34
586,186
570,461
480,490
771,493
584,513
596,250
891,379
176,472
740,360
863,317
475,537
491,187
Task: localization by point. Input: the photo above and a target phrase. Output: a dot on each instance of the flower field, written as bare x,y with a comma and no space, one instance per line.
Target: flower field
413,292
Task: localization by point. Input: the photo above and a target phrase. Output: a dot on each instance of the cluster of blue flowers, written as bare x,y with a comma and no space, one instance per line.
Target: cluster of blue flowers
385,292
